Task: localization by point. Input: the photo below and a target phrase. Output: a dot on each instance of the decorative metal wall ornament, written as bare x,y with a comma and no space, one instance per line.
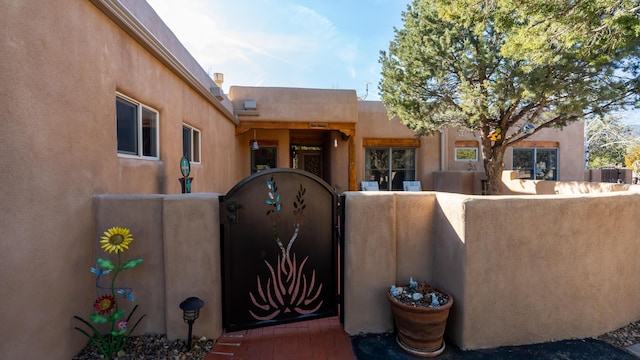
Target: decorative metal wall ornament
495,135
185,170
528,128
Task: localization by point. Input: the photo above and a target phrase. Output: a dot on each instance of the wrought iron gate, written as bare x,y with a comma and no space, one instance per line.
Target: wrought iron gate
279,249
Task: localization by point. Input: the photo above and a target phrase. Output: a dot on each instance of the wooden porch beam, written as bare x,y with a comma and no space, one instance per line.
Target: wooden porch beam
347,129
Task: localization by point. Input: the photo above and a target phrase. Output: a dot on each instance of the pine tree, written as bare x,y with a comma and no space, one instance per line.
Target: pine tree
467,63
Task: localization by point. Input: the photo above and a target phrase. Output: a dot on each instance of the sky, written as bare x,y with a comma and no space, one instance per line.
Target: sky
322,44
325,44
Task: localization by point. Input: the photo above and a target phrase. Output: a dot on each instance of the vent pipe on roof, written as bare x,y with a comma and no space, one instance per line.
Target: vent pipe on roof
218,78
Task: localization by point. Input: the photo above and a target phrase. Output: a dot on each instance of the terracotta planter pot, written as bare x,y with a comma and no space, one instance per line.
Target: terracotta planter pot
420,329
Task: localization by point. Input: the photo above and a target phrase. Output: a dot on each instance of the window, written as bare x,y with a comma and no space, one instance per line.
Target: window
266,157
466,150
466,154
536,163
191,143
389,167
137,128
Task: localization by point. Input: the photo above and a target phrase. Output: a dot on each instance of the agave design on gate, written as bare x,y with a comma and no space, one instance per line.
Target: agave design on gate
288,287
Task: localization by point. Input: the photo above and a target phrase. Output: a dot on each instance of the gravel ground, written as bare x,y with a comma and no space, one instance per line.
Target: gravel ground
623,337
157,347
154,347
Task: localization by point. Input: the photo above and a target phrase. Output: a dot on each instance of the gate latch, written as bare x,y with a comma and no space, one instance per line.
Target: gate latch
232,211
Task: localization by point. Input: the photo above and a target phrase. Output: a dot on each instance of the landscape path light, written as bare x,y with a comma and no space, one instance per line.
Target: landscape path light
190,312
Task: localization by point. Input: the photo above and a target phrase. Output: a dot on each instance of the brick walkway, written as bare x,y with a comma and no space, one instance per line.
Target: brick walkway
310,340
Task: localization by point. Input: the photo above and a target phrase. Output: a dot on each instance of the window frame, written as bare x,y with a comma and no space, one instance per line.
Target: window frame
455,152
140,131
389,166
195,147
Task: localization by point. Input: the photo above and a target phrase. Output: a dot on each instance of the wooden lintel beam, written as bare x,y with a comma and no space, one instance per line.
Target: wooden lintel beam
466,143
369,142
346,128
537,144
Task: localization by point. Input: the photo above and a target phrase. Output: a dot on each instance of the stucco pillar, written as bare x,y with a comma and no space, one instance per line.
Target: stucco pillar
191,231
370,261
352,164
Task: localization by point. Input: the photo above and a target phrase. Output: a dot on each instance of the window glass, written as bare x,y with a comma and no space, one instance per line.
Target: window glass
546,164
186,142
137,128
389,167
377,166
126,114
466,154
149,133
539,164
402,167
196,146
191,143
264,158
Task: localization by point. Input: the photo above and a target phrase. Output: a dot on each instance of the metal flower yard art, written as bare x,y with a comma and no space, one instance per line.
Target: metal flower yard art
107,308
288,287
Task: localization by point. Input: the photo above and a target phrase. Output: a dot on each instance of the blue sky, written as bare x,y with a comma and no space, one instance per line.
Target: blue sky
327,44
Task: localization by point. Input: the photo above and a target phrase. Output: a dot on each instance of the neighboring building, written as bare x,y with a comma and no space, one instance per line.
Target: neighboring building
99,97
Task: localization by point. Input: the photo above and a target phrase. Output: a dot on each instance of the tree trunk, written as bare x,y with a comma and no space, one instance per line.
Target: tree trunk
493,167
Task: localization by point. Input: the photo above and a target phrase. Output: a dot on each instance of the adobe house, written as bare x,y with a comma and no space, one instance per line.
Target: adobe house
99,97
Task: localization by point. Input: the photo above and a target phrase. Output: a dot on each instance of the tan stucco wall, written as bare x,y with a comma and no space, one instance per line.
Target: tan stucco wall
514,186
178,237
293,104
570,150
62,63
521,269
463,182
374,123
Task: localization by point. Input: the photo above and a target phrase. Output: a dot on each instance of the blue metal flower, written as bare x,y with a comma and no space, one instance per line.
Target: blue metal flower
100,271
126,293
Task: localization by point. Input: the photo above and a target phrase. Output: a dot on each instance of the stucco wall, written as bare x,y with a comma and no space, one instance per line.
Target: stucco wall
374,123
291,104
522,269
178,237
62,63
514,186
570,150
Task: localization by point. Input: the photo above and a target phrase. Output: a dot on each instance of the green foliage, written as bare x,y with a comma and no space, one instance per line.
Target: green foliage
500,63
105,263
630,160
132,263
607,140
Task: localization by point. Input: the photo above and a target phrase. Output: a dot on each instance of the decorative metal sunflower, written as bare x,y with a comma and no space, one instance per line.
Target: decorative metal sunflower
104,304
116,239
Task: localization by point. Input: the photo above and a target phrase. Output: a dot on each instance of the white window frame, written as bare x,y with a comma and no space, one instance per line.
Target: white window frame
140,149
195,146
475,149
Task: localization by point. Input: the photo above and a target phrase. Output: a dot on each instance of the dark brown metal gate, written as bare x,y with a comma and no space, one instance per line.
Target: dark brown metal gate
279,249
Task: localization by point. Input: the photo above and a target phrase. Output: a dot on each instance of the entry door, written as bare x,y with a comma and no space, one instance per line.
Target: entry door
280,249
311,161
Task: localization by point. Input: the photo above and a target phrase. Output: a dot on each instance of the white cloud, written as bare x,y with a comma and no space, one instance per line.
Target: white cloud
270,42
